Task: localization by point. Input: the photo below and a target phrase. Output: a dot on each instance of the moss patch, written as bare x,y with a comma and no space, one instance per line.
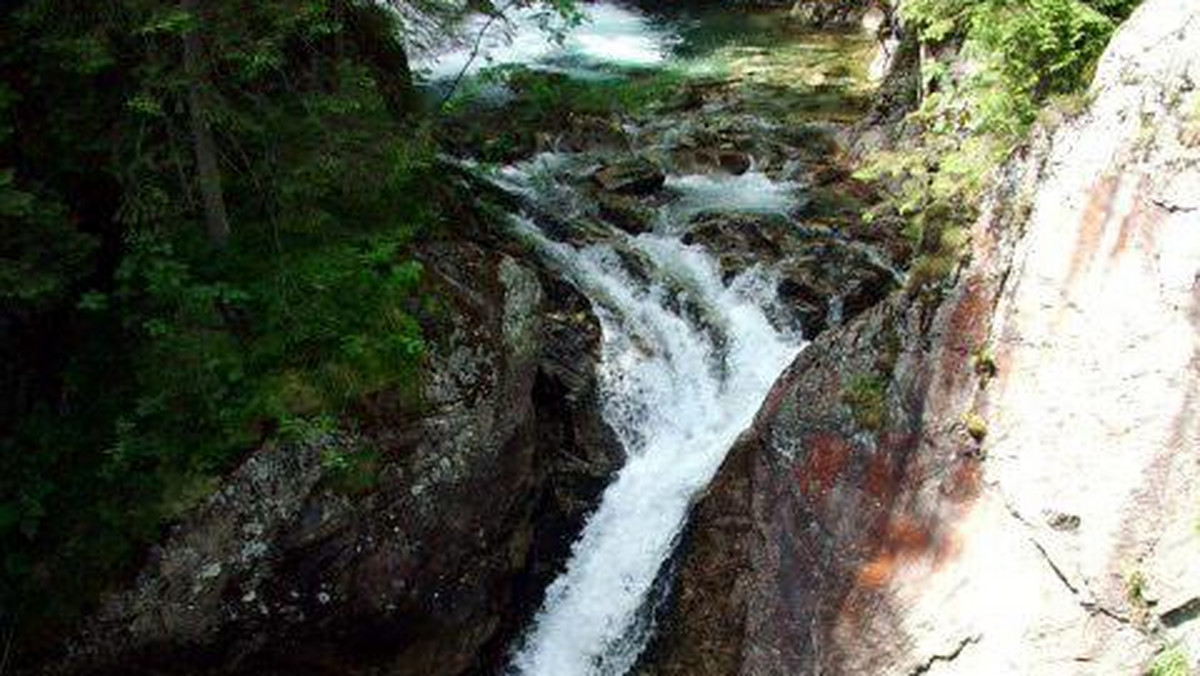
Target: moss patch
1172,661
866,397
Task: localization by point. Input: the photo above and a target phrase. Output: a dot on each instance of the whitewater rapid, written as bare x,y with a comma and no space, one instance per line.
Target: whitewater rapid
606,34
686,361
686,358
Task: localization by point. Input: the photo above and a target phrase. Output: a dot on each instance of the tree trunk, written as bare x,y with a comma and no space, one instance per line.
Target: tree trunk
216,219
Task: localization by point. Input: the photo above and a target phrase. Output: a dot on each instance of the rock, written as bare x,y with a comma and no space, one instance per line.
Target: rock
474,492
625,212
635,176
734,162
830,14
822,278
857,528
897,69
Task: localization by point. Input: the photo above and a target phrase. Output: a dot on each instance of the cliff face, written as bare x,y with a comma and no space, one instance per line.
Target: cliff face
414,545
1005,480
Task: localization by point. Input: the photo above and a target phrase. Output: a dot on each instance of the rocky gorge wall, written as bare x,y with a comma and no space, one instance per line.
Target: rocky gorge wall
1005,479
426,550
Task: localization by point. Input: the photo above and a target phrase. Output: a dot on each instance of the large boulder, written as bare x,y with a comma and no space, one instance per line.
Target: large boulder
415,545
1004,480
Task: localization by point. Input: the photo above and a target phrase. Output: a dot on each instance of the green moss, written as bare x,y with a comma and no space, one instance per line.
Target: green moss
984,364
1173,661
1135,588
977,427
1063,107
931,270
866,397
351,472
827,204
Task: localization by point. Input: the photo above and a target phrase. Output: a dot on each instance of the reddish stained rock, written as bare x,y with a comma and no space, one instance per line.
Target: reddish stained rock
1095,216
827,459
903,538
881,482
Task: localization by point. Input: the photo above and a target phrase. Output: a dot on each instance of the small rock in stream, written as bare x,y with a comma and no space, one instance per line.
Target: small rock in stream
634,176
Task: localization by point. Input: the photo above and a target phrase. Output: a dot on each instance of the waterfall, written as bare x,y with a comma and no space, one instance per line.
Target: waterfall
687,356
686,361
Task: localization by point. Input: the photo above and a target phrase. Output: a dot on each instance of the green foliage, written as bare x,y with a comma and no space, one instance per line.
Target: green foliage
546,101
1021,54
1172,661
41,255
140,361
866,396
1024,52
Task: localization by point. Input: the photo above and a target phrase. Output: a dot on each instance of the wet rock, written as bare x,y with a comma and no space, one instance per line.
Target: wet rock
743,238
734,162
467,497
625,212
823,278
634,176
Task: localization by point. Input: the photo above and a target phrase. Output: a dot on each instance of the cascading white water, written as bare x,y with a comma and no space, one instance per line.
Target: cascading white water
686,358
678,386
608,35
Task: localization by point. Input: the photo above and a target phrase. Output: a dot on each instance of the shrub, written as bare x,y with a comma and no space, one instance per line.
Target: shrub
1021,53
1172,661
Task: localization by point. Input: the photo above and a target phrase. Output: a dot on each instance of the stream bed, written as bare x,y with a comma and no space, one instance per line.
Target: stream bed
697,290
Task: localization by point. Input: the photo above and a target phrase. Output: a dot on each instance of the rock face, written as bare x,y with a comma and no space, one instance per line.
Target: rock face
832,13
414,546
1005,480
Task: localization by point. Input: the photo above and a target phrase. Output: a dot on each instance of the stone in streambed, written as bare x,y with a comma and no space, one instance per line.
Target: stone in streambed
625,212
734,161
634,176
817,269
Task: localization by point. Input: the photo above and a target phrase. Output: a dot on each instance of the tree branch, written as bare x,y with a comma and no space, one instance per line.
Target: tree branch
474,52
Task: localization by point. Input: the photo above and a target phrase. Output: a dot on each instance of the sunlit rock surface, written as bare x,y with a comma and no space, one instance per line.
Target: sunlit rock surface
1005,482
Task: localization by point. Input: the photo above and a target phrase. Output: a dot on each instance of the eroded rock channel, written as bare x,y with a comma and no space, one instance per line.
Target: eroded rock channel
625,288
715,230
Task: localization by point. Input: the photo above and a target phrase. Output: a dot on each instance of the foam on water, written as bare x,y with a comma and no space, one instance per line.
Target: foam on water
677,390
751,192
609,35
